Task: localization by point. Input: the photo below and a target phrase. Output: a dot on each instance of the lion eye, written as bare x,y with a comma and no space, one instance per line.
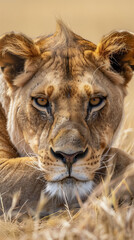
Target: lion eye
41,101
95,101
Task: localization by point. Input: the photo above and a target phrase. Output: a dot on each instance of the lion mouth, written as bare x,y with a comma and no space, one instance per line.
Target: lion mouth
69,180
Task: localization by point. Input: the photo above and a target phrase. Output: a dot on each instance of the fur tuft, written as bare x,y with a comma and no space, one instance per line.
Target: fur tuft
110,44
58,190
18,45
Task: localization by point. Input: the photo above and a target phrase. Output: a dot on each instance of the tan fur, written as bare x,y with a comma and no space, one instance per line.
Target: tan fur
68,71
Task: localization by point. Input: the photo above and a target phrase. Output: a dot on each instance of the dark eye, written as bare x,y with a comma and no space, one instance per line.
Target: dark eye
40,103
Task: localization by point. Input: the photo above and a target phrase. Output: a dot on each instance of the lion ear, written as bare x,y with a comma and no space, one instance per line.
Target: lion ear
15,49
117,49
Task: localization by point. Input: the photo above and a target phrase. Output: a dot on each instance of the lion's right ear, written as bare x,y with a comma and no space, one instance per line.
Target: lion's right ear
15,49
116,51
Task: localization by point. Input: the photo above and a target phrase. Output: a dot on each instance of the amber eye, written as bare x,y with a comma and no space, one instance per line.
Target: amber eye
41,101
95,101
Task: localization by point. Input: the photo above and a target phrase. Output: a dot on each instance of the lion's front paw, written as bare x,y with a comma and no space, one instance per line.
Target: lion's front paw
124,187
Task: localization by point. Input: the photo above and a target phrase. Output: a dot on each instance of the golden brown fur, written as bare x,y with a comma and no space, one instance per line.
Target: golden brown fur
64,147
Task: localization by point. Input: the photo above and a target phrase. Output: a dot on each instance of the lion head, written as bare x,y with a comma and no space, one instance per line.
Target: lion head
63,100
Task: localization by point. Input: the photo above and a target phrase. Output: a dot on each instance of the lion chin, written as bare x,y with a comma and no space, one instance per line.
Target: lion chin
69,189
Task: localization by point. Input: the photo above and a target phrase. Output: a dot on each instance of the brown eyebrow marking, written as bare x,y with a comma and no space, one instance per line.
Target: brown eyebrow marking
50,90
88,89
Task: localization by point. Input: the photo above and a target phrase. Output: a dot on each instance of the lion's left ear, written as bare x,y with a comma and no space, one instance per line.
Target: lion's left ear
15,50
117,50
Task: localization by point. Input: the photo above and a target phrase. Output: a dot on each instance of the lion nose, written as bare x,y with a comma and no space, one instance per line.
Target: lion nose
69,159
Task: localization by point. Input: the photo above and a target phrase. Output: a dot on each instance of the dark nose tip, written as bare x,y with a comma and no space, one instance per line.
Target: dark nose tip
69,159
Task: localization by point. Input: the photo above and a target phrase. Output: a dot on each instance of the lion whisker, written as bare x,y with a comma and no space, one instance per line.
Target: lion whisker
20,141
104,174
96,71
110,165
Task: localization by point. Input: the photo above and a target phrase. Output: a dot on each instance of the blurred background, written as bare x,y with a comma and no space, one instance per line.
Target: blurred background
89,18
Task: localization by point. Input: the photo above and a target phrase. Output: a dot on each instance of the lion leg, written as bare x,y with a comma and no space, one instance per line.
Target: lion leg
18,175
122,176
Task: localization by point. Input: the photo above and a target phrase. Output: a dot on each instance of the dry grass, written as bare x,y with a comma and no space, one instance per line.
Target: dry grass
98,219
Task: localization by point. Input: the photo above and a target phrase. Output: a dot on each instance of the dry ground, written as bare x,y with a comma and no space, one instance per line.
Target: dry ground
97,220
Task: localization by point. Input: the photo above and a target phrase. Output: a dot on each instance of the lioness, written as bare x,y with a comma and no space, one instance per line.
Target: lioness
61,102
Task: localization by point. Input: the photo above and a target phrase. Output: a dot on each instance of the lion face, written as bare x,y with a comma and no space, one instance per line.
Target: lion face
67,123
66,114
